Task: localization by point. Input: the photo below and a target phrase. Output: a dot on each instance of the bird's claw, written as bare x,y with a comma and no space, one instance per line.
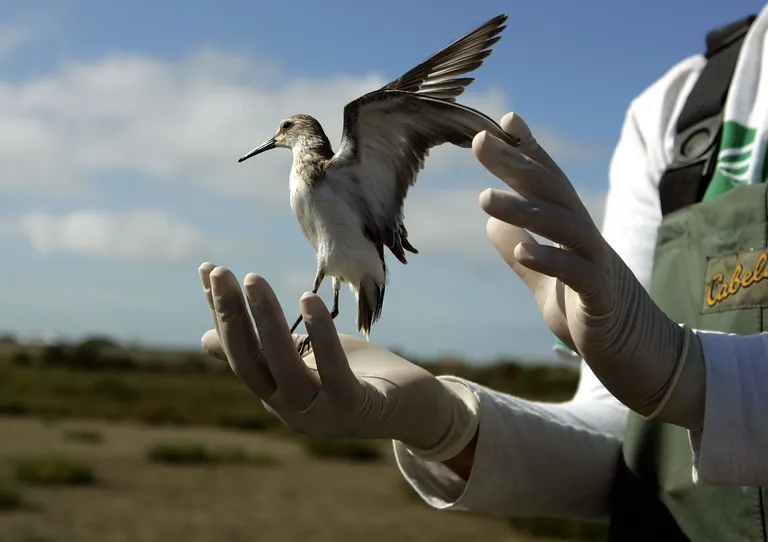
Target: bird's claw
304,346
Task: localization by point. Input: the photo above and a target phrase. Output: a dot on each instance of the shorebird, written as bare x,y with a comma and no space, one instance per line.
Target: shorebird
349,203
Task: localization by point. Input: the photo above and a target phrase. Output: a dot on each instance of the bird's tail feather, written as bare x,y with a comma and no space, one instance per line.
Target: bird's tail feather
404,240
408,246
370,299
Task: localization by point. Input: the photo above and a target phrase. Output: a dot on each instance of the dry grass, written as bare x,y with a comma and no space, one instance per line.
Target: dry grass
135,417
185,452
137,500
178,388
86,436
356,451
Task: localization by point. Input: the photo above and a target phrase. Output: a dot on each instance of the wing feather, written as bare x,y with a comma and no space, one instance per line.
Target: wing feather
461,56
388,135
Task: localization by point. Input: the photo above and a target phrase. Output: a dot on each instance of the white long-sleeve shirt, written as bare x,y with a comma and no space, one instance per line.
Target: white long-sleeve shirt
544,459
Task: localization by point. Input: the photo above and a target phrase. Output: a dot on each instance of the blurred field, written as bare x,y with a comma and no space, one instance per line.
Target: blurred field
105,443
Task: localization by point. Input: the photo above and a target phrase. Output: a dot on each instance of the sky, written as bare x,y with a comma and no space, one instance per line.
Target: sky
121,125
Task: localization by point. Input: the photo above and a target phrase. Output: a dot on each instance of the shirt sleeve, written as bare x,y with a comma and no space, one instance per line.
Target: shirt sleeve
531,459
732,445
547,459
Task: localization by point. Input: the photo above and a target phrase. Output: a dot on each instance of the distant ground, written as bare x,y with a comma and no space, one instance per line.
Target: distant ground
301,499
103,405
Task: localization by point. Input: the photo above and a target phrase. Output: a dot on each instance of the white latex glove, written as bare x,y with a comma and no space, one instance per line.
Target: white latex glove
589,298
345,387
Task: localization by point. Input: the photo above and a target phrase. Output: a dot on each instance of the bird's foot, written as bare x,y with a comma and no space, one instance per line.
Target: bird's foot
304,346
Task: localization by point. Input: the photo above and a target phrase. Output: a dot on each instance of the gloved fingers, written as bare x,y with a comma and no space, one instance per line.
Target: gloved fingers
336,376
237,336
515,125
212,345
298,338
505,238
204,271
523,174
554,314
297,383
210,339
562,226
585,278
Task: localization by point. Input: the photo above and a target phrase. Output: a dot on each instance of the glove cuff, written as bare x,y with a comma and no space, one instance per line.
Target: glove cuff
684,398
464,419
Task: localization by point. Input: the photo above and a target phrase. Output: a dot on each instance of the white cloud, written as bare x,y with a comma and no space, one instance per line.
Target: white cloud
181,122
452,221
563,149
133,235
448,221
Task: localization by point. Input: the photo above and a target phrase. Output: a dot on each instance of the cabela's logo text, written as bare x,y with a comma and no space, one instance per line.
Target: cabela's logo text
718,290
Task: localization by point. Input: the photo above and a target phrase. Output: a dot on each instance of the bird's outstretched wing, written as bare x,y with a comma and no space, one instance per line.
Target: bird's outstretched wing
437,76
388,133
387,136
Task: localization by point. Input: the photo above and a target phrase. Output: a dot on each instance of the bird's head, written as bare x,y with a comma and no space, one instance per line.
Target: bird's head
294,132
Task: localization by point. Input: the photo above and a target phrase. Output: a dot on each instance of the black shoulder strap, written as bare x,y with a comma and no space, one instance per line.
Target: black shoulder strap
699,125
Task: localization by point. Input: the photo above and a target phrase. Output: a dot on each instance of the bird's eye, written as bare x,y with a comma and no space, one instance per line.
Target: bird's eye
287,124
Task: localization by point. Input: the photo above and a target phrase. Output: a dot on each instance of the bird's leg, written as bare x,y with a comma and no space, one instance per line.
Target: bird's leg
304,345
335,308
315,288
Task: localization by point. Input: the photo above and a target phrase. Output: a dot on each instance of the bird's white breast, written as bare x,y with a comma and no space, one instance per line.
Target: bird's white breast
333,225
303,211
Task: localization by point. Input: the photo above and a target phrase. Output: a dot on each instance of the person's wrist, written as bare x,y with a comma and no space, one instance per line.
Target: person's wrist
684,395
456,426
462,463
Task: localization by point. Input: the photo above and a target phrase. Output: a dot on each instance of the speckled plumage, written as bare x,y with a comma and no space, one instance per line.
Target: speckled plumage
349,204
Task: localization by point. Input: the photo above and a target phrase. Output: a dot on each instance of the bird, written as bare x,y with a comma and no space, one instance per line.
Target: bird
349,203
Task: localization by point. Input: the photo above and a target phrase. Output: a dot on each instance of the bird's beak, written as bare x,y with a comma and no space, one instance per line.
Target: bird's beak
267,145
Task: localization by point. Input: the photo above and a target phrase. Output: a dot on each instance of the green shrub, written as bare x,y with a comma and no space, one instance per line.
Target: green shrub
114,388
87,436
55,355
52,469
239,456
193,453
180,452
162,389
13,408
249,421
22,359
358,451
86,356
195,363
162,415
11,495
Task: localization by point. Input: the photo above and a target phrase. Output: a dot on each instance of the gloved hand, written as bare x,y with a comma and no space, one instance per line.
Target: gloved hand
589,298
345,387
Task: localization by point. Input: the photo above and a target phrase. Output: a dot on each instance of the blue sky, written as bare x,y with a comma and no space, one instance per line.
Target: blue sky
121,123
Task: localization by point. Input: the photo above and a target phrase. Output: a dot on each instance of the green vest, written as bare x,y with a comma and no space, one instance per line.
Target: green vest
710,272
